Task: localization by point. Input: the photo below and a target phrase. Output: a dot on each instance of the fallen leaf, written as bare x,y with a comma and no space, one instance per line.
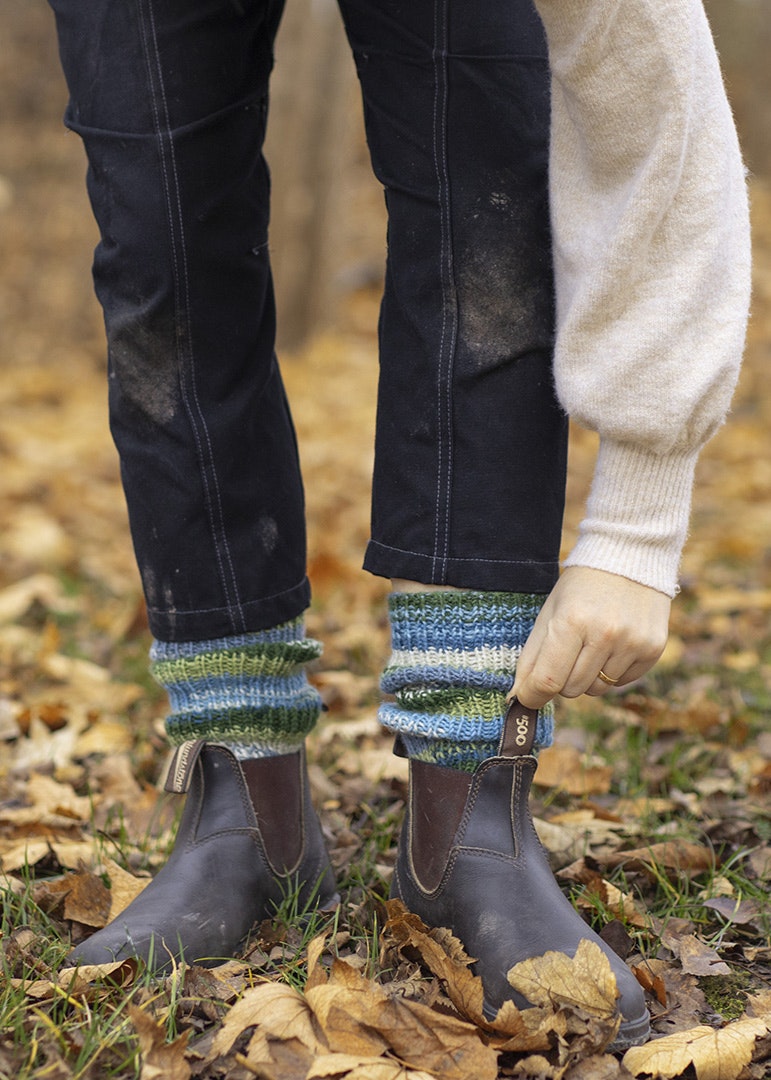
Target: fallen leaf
653,984
83,898
597,1067
584,981
280,1010
679,856
160,1060
124,887
564,768
719,1054
357,1016
443,954
43,589
734,910
698,959
351,1066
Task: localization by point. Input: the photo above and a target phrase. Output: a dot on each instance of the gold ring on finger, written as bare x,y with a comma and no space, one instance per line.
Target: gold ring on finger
607,679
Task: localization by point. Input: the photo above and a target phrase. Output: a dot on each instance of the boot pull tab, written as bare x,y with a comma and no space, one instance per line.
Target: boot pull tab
180,771
518,730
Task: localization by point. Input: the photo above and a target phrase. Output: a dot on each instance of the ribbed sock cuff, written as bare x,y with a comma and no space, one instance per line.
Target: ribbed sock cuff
454,655
249,691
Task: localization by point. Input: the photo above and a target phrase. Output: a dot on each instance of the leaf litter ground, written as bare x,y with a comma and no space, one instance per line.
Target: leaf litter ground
653,804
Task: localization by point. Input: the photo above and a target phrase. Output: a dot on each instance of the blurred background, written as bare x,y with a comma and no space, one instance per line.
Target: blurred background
63,537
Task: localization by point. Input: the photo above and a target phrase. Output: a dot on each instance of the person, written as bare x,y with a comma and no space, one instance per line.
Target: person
568,236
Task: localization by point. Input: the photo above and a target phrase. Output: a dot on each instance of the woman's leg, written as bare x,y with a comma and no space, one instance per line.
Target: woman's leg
470,463
170,98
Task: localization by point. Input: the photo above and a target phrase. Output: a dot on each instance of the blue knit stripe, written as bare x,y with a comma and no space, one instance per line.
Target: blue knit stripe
249,691
232,691
469,729
395,679
454,657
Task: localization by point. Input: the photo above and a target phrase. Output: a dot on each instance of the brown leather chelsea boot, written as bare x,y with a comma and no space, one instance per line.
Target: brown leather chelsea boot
469,859
248,837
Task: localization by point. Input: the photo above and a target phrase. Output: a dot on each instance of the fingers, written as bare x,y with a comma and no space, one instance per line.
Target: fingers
592,621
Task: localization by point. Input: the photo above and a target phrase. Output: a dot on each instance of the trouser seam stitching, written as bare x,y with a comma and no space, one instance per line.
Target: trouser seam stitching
182,300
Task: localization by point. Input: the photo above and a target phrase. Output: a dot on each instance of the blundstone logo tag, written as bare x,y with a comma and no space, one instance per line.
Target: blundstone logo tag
523,729
181,767
518,730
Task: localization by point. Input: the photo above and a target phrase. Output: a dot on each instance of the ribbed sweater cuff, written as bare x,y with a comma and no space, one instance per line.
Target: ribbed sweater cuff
637,515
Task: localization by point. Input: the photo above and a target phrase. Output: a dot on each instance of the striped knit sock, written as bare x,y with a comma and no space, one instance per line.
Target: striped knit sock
249,692
453,662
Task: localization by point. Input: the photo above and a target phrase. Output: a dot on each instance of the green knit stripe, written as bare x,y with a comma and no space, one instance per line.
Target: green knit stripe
268,659
465,605
278,725
453,701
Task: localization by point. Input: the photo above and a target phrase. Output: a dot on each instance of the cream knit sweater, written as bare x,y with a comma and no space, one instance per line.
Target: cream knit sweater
652,263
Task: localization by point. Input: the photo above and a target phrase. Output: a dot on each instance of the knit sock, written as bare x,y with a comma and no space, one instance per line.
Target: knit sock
249,692
453,660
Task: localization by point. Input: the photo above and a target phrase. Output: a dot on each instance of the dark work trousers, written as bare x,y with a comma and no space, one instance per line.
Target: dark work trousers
170,98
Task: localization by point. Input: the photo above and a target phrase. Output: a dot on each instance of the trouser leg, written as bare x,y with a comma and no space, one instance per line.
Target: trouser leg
471,444
170,98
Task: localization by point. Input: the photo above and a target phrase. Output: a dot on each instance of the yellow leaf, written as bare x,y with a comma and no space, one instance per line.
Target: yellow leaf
280,1011
124,887
718,1054
371,1068
584,981
317,976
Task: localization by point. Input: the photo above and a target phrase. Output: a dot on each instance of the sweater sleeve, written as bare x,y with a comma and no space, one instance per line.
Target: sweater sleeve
652,264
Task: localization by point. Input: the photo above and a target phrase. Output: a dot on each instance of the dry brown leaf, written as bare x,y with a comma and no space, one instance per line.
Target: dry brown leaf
698,959
760,1005
718,1054
79,982
50,803
317,975
512,1030
356,1014
680,856
83,896
597,1067
105,737
620,904
734,910
70,854
540,1068
160,1060
43,589
564,768
13,856
277,1059
653,984
443,954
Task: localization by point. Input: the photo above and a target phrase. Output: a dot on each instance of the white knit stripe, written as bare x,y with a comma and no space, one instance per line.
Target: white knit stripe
503,658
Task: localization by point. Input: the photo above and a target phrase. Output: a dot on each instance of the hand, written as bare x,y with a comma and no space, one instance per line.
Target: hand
592,621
